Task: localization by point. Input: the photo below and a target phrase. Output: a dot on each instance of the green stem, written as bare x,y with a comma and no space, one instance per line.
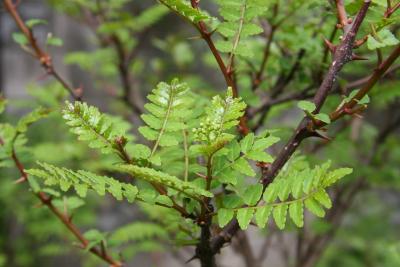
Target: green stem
237,38
160,134
186,155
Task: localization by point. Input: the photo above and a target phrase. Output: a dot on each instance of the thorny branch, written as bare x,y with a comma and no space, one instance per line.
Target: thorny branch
342,55
46,62
43,57
63,217
343,201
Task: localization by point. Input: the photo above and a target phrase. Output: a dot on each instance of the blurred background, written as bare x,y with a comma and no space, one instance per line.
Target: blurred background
162,49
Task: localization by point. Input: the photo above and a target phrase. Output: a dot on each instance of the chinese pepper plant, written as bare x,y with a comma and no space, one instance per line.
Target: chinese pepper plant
264,144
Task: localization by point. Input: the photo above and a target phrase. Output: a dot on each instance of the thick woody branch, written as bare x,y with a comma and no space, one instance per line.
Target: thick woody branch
343,55
373,79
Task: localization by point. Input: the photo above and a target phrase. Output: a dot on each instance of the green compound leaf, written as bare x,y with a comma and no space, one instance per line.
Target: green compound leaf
239,24
221,115
252,194
279,214
244,167
244,217
154,176
296,211
28,119
313,206
262,215
225,216
33,22
382,39
101,131
184,9
81,181
168,107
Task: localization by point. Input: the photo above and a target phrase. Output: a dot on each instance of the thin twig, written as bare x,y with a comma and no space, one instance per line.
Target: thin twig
227,73
44,58
186,154
65,219
267,49
124,59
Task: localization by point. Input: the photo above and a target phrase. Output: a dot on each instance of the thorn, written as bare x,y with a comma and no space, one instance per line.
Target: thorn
20,180
43,76
212,32
45,60
264,165
360,42
256,82
121,140
355,111
331,46
348,111
357,57
195,3
78,91
192,258
230,70
201,175
358,116
319,134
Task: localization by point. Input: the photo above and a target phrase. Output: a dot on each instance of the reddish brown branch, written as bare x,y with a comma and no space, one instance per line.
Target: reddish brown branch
342,16
258,78
343,54
227,73
377,74
272,29
43,57
391,9
64,218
